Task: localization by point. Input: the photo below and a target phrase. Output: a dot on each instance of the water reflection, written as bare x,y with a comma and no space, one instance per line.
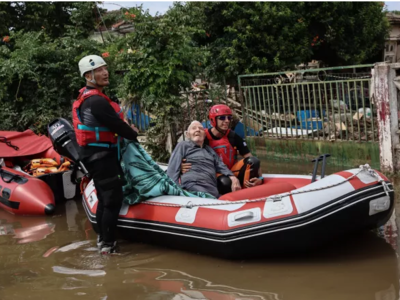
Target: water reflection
71,211
186,286
390,232
364,267
25,229
73,271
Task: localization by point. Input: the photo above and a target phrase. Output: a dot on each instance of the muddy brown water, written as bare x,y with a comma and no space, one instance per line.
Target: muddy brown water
55,258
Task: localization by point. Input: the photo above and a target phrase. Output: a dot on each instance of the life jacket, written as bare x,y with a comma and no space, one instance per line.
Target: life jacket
223,148
93,136
42,166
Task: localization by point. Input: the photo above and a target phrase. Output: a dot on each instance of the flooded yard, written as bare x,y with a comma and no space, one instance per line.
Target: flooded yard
56,258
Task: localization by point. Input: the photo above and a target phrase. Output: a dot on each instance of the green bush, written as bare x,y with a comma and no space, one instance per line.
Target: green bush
159,59
40,78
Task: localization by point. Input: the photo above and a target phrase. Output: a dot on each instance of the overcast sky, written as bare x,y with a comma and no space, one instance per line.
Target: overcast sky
152,6
395,5
162,6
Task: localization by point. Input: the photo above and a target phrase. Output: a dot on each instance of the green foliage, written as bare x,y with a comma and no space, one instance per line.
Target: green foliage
53,17
40,78
254,37
161,61
352,32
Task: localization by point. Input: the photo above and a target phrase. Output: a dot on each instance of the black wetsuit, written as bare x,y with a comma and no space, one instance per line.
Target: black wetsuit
103,164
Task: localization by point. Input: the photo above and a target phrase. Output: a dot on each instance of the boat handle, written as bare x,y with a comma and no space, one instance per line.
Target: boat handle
244,215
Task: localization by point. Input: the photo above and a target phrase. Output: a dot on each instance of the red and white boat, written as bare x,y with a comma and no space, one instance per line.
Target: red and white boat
16,147
286,213
25,194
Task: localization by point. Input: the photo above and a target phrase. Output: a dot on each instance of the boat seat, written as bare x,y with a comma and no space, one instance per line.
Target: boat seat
264,190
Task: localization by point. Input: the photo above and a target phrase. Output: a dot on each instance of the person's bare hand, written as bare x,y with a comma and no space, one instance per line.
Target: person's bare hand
135,128
185,167
252,182
235,184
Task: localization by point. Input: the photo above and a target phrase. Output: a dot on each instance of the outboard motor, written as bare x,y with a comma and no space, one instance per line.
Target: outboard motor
62,136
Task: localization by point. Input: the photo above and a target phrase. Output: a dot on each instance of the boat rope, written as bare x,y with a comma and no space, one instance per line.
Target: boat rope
375,174
4,140
363,168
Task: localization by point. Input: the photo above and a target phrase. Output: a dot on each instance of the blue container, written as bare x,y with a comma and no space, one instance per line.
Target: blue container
239,129
304,115
141,120
312,125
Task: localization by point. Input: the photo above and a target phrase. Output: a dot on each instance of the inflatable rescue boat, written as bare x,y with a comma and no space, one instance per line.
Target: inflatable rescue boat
22,194
33,160
286,213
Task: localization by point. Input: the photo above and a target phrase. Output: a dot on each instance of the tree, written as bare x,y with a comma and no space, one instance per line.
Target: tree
346,33
160,59
53,17
40,78
254,37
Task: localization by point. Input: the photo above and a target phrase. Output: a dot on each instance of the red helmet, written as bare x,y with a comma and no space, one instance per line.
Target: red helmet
218,110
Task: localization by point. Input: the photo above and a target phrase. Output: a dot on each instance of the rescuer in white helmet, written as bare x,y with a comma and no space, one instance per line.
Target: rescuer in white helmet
99,124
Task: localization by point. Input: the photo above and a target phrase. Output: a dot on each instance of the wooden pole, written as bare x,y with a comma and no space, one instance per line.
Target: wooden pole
385,94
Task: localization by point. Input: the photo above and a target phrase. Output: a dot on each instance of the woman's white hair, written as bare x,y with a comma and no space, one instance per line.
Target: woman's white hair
190,125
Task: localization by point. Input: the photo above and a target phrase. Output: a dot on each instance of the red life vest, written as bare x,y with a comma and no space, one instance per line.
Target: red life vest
223,148
93,136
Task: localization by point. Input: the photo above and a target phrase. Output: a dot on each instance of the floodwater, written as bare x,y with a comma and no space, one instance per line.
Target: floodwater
55,258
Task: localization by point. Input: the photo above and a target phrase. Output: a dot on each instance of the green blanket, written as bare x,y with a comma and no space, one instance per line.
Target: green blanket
145,179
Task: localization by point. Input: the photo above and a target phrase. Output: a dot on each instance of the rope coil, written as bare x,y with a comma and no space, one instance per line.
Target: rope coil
275,198
4,140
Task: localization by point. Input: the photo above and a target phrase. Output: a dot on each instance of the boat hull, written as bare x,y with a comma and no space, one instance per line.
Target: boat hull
21,194
253,229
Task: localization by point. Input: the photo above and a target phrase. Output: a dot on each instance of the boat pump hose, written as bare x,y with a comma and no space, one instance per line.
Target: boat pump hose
3,139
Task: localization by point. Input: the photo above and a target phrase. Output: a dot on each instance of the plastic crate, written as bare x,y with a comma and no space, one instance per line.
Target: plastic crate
304,116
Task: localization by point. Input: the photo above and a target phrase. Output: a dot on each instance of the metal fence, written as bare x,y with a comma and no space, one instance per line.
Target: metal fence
323,104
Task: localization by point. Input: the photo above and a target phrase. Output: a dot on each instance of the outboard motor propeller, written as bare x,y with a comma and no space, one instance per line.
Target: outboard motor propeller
62,136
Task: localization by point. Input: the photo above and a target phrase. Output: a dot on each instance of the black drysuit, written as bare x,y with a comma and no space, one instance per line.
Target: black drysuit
103,164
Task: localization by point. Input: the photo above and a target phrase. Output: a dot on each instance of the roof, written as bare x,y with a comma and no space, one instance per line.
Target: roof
393,18
116,25
120,26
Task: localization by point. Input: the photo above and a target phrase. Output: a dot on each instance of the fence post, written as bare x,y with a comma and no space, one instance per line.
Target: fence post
241,99
385,95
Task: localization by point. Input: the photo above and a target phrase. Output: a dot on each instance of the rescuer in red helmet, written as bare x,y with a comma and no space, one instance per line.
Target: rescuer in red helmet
227,144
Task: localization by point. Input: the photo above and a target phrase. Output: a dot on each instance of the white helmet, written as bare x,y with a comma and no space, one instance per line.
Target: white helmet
90,63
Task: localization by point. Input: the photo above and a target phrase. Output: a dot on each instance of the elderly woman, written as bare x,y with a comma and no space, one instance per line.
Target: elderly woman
202,177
